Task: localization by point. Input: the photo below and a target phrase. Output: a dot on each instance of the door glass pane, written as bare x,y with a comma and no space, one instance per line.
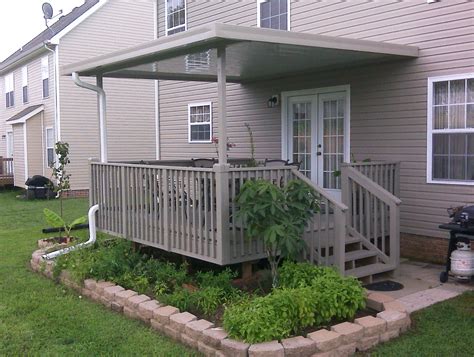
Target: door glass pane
301,119
333,141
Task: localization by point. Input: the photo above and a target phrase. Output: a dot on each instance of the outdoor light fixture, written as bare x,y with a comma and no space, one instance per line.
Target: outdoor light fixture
273,101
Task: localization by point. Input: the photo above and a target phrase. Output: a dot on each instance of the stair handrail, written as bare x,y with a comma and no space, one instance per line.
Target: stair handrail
340,216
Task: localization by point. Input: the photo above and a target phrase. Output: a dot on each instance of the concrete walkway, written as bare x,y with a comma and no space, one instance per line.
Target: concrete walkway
422,287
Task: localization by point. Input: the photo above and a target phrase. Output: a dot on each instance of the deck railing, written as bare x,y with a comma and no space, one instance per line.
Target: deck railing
6,171
373,214
384,173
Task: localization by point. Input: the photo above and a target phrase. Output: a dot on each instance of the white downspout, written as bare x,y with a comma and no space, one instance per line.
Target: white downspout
102,111
92,237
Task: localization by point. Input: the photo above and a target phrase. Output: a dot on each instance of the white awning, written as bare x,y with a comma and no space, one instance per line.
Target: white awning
253,54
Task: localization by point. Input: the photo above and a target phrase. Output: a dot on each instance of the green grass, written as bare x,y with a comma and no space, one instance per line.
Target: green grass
444,329
39,317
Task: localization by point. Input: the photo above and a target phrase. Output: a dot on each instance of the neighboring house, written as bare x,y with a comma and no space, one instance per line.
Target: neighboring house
39,108
318,100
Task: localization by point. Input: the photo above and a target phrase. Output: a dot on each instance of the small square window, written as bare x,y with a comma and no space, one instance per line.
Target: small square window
273,14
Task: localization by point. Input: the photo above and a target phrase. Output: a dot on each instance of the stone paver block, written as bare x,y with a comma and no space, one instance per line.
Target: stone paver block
115,306
155,324
163,314
326,340
375,300
350,332
267,349
110,291
346,350
372,325
395,305
101,285
366,343
234,348
90,284
136,300
206,350
395,319
130,312
388,335
179,321
122,296
171,332
145,309
86,292
104,301
189,341
325,354
194,329
214,336
94,296
299,346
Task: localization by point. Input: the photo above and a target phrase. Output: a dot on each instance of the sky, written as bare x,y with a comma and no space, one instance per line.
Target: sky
21,20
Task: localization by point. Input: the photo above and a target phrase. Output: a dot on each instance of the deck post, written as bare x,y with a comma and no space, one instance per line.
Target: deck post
222,213
222,92
340,228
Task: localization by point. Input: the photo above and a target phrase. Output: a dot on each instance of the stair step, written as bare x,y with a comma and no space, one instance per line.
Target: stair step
359,254
368,270
351,240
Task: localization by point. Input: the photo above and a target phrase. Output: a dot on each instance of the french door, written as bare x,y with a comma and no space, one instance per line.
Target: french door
317,135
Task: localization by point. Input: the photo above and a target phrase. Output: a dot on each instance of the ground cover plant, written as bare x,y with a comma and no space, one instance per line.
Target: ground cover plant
41,318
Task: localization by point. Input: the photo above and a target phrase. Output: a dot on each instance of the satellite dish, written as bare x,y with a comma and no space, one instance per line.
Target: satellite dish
47,11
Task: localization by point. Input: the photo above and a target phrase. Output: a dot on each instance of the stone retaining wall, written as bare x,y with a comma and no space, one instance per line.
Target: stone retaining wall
343,339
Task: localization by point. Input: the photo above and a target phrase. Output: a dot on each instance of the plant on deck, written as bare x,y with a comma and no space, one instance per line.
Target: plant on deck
278,215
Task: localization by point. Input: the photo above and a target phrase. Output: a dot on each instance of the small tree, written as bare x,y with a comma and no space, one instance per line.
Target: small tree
253,161
278,216
59,171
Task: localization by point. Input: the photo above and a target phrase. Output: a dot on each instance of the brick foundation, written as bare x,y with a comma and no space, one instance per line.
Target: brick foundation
76,194
423,248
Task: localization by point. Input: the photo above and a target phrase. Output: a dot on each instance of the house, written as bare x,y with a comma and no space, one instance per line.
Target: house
326,85
38,107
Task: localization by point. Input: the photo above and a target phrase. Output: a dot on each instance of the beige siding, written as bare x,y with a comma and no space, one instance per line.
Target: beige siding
130,104
35,145
388,101
19,155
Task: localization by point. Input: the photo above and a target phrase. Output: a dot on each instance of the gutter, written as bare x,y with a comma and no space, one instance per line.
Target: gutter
92,237
102,111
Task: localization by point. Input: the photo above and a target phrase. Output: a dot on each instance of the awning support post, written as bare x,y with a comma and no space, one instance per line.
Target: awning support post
221,88
101,108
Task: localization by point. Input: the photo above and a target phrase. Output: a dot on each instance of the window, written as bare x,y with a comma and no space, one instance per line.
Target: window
200,122
9,90
9,144
273,14
24,83
50,146
45,76
451,129
175,11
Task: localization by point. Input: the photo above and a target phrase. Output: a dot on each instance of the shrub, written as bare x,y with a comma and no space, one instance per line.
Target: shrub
308,296
221,280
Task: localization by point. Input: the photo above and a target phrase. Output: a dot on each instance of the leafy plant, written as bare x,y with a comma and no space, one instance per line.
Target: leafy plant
310,297
59,166
56,221
278,216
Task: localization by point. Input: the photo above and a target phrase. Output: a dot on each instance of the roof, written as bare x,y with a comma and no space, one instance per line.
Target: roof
25,114
39,41
252,54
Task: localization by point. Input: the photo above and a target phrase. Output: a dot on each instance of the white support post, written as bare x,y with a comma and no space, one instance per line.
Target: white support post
221,88
102,119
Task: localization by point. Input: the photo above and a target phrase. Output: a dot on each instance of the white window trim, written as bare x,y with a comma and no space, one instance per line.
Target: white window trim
185,18
288,17
191,124
9,84
24,83
44,63
46,144
430,131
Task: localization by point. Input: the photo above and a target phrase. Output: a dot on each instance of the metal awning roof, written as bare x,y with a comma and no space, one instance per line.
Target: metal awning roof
252,54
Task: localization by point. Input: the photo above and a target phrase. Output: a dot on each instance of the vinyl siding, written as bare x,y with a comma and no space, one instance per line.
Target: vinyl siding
388,101
130,104
35,96
35,145
19,155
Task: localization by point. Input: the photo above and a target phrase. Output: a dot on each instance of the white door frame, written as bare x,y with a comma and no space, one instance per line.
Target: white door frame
9,142
285,96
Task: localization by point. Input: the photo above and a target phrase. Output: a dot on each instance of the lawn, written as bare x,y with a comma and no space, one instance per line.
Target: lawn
38,317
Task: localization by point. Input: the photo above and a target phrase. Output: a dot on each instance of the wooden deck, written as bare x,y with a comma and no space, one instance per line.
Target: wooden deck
6,172
191,211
